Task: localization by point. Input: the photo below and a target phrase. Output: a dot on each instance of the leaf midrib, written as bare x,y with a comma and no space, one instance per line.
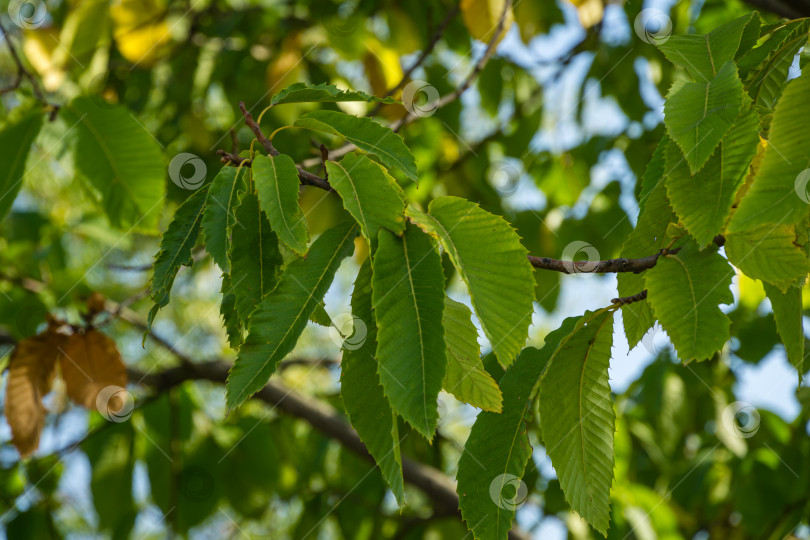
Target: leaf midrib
419,325
357,199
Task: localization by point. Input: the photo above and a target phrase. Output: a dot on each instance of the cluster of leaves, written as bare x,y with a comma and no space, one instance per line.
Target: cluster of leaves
729,165
710,175
700,184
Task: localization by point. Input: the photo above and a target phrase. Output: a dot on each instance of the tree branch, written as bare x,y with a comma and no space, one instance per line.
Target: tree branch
437,36
251,123
319,415
23,73
307,178
444,100
788,9
600,267
624,300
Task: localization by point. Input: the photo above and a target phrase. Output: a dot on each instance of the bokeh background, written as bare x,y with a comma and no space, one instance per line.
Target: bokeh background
553,134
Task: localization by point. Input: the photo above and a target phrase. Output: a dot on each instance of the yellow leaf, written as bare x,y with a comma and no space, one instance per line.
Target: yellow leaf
384,72
40,49
481,18
590,12
287,66
143,46
140,31
30,375
752,292
382,67
90,362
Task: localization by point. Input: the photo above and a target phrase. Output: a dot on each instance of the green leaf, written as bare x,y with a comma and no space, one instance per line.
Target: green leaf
323,93
466,377
698,114
654,173
767,66
768,253
227,310
408,285
369,410
219,216
15,143
488,255
280,318
577,418
684,291
369,193
175,249
277,184
365,134
703,201
321,317
778,193
498,448
120,159
647,238
702,54
787,311
255,258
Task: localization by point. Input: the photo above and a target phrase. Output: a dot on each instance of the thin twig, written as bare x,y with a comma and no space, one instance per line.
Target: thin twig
479,66
22,73
624,300
444,100
437,36
251,123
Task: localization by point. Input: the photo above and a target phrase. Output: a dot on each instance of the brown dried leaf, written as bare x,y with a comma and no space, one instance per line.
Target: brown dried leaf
91,362
30,375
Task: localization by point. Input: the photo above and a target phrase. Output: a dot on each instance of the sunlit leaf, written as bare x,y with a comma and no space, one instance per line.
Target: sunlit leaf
277,185
698,114
408,285
369,193
577,418
219,215
488,255
367,135
466,377
684,290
